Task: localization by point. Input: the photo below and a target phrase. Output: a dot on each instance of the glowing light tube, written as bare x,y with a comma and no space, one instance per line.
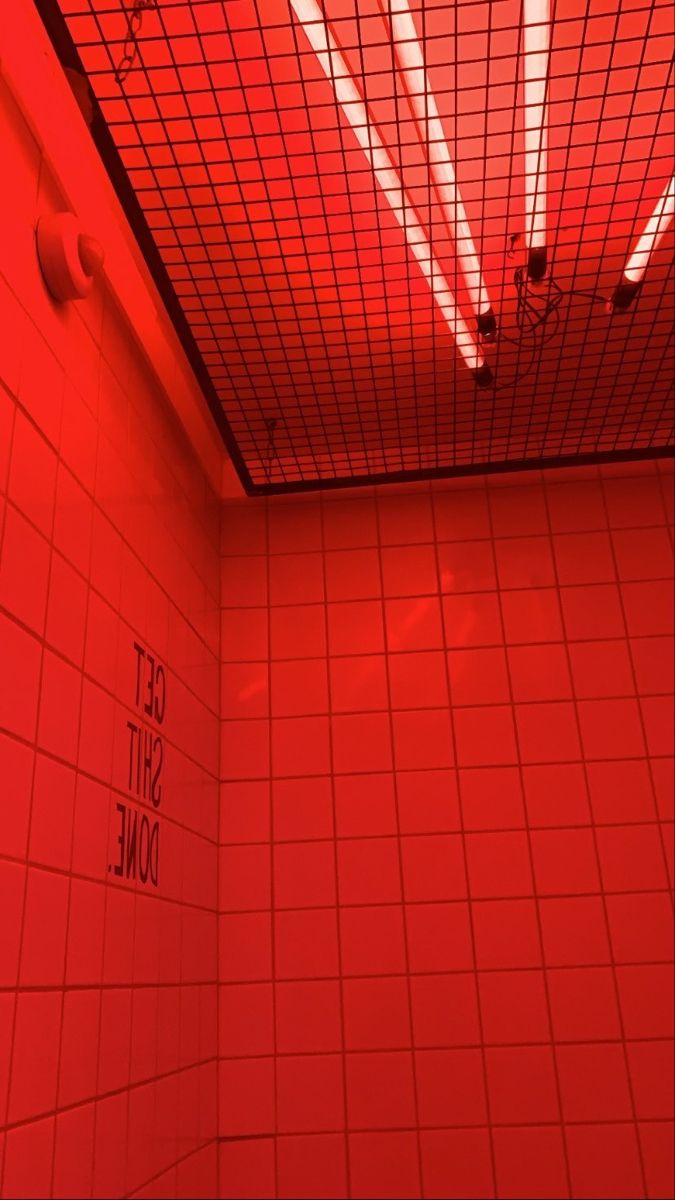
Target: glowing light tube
536,30
349,98
412,70
650,238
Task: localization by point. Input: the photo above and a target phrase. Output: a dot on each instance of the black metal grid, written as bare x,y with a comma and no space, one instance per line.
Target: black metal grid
316,335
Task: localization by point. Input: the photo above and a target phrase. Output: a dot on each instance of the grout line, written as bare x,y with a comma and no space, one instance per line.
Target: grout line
11,1064
66,947
469,904
536,898
607,926
643,725
272,903
336,908
401,876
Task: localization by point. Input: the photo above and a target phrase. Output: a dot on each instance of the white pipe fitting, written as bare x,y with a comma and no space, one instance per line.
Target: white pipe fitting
69,259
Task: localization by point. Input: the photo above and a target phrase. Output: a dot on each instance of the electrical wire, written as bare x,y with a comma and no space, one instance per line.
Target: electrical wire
537,323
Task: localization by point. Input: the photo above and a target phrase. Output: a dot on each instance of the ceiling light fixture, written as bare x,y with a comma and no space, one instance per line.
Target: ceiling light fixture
351,102
536,35
412,69
650,238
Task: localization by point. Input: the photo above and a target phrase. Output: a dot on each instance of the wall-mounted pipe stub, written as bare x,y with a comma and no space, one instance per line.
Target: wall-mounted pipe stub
70,259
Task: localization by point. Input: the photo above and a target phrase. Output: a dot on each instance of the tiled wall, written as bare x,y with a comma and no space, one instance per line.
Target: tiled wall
442,933
446,828
109,537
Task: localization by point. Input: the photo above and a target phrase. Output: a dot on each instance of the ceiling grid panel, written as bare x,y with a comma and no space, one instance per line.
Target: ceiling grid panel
315,289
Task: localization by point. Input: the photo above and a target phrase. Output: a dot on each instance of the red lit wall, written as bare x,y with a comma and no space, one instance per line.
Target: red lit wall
419,942
446,827
109,540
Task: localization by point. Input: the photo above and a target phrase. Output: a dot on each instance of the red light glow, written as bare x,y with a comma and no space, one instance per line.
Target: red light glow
536,35
410,60
335,829
653,234
333,65
331,214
